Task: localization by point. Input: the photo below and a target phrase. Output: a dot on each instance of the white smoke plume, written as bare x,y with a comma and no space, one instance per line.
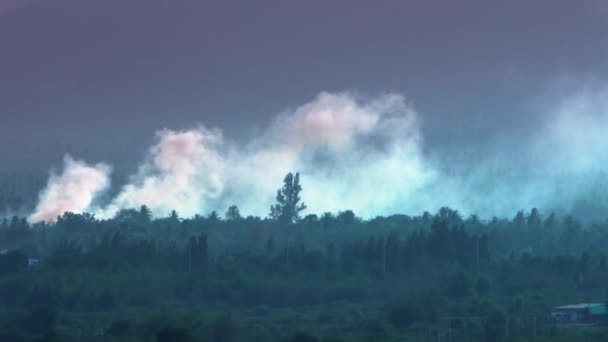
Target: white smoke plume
336,142
351,153
73,190
363,154
183,172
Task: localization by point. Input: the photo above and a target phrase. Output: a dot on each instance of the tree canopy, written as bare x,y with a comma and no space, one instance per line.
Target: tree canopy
288,207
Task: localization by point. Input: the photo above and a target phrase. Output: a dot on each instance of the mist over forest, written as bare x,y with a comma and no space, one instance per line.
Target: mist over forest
293,276
341,143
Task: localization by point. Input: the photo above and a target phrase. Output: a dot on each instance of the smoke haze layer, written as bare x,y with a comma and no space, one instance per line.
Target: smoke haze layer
353,152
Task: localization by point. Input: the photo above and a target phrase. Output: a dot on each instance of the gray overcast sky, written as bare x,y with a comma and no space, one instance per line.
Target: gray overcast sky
97,78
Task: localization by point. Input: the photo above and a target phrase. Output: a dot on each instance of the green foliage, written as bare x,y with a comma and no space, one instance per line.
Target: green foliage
135,278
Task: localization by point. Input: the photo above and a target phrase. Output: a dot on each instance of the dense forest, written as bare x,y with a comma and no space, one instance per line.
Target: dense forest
296,277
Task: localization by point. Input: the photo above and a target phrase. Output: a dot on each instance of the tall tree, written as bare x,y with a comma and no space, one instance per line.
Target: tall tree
535,218
288,206
520,218
174,216
145,214
233,214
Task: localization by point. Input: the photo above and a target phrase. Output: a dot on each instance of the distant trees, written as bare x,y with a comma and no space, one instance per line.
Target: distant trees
519,219
233,214
174,216
142,216
347,217
288,206
126,216
534,218
471,278
76,222
145,214
213,218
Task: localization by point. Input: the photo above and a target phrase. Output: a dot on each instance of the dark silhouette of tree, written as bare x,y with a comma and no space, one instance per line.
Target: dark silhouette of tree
473,220
174,216
145,214
213,217
520,218
535,218
288,206
449,215
233,214
76,222
550,221
426,217
127,216
326,219
311,219
347,217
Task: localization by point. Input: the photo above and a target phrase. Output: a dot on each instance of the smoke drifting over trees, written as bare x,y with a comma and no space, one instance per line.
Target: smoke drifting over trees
75,188
361,153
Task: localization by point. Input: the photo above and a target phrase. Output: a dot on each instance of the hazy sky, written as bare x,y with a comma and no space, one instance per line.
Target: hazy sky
97,78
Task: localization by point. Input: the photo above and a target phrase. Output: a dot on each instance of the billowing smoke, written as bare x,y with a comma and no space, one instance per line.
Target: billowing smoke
364,154
336,142
183,172
352,154
73,190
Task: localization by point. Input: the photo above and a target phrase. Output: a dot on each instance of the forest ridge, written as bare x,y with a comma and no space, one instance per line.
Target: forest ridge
294,277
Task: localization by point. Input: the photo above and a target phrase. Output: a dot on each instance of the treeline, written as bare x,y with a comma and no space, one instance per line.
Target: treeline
530,233
290,277
407,276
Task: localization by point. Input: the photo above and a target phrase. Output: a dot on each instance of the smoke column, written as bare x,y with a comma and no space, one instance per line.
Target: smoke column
353,152
183,172
74,190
